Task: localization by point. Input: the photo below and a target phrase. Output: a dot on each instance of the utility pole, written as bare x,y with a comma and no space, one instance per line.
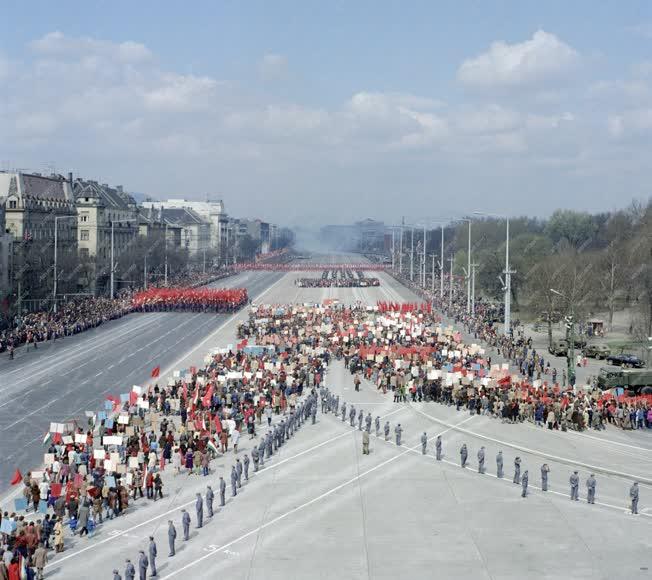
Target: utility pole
441,265
473,267
112,262
432,276
411,254
165,278
508,284
393,248
423,284
450,295
400,253
468,274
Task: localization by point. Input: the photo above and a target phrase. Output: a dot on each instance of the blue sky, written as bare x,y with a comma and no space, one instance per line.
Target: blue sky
306,112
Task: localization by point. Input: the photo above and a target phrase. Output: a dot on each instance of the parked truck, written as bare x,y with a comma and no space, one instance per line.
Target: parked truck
636,381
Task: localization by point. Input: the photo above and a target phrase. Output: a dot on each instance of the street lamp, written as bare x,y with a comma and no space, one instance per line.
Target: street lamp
56,240
570,328
113,249
508,273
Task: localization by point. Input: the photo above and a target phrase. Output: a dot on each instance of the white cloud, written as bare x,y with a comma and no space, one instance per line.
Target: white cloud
58,45
632,123
541,58
273,66
180,93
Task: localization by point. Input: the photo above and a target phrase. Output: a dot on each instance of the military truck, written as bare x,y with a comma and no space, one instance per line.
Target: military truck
636,381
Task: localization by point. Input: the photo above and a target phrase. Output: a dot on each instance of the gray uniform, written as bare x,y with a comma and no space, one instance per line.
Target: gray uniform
246,466
499,465
524,482
464,454
153,553
185,522
574,486
199,508
234,481
210,496
517,470
633,496
398,431
438,448
386,430
343,411
254,457
590,489
481,460
424,443
130,571
222,491
261,452
377,425
116,575
368,421
143,563
360,420
544,477
172,536
352,416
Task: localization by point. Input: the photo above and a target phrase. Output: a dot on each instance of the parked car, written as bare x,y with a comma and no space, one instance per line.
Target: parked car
558,348
626,360
597,351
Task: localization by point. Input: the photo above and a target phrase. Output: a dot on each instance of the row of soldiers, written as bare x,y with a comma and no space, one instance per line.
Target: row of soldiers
269,444
331,403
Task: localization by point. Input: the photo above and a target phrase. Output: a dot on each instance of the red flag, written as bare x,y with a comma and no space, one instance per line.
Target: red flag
206,399
17,478
133,397
156,371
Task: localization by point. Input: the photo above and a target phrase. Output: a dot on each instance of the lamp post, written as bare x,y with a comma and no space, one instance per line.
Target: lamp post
411,254
450,285
570,332
508,272
56,244
113,250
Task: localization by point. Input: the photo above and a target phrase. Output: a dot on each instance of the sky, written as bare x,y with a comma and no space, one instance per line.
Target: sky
312,112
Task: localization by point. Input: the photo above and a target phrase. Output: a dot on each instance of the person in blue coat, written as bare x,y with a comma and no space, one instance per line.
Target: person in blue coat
143,564
153,553
185,522
199,509
130,570
172,536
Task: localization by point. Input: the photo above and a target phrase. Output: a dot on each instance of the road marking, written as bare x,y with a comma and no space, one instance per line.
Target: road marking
302,506
594,468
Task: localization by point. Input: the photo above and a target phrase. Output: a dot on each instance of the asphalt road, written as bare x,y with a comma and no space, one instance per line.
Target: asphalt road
61,380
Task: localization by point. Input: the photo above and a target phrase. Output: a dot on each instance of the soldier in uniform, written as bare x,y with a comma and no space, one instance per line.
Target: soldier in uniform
545,470
398,431
365,443
238,470
153,553
313,413
574,486
185,522
481,460
222,491
352,416
464,454
116,575
209,500
633,496
377,426
360,419
246,466
234,481
368,421
517,470
343,411
438,448
199,509
499,465
386,430
130,571
255,457
143,563
424,443
524,482
172,536
590,489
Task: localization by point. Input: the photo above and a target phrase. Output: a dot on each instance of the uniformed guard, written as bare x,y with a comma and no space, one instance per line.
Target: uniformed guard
499,465
517,470
524,482
343,411
590,489
116,575
153,553
352,416
365,442
313,414
481,460
130,571
255,457
360,419
246,466
185,522
377,425
398,431
368,421
633,496
199,509
337,405
464,454
386,430
424,443
261,452
172,536
222,491
234,481
238,470
438,448
574,486
143,563
210,496
545,470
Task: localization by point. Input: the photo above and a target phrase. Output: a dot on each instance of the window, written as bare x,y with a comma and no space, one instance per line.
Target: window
12,204
83,252
83,235
83,218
